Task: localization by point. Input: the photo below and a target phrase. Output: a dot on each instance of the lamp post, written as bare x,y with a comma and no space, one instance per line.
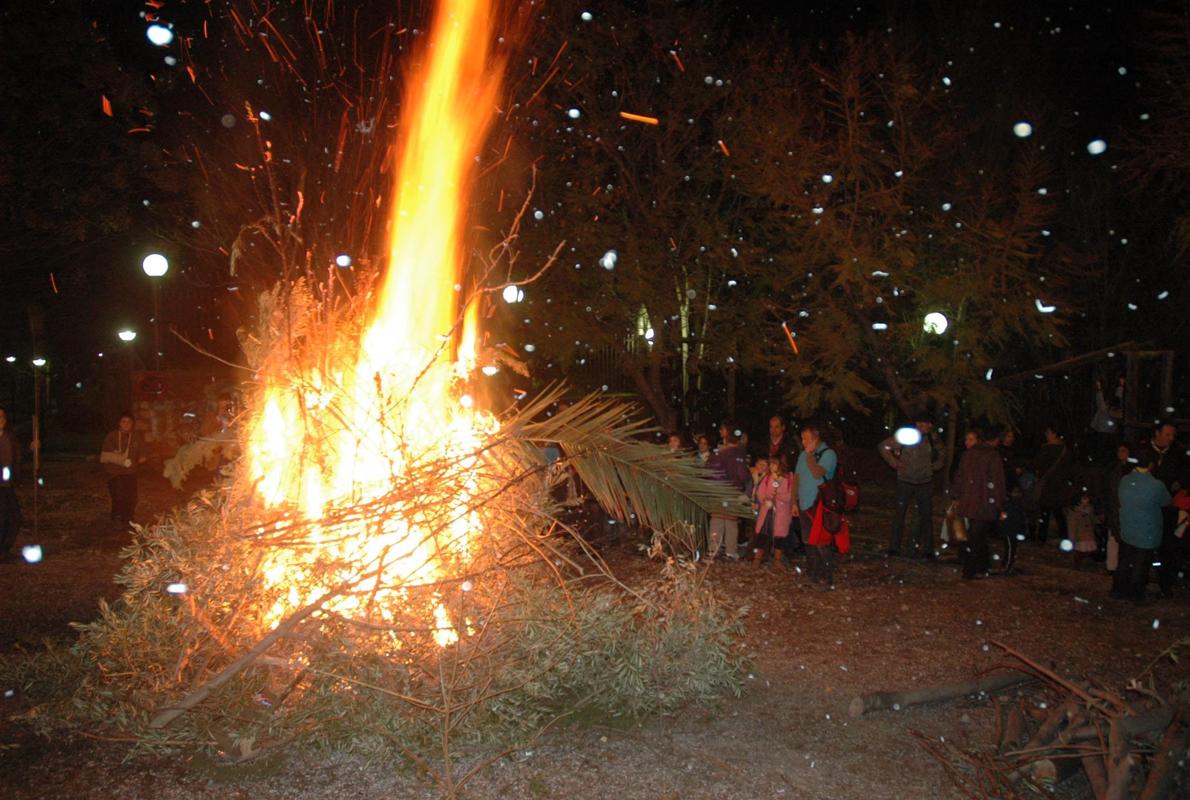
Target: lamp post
127,336
39,363
155,266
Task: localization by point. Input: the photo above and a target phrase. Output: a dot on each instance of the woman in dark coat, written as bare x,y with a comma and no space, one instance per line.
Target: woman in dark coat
980,497
1054,486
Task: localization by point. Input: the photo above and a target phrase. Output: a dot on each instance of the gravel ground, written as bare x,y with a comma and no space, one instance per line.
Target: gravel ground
890,624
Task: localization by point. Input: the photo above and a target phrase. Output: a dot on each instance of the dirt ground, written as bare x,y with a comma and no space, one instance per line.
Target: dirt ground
889,624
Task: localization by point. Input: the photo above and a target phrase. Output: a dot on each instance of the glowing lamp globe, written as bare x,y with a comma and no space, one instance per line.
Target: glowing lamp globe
155,265
159,35
512,294
39,362
907,436
126,335
935,322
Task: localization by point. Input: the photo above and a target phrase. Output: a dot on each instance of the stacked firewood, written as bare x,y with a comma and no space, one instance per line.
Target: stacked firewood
1129,743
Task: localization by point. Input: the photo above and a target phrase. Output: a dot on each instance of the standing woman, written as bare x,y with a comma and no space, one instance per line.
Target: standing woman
1053,482
979,496
775,497
123,451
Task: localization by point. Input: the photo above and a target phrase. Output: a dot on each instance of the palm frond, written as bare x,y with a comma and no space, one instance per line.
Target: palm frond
599,437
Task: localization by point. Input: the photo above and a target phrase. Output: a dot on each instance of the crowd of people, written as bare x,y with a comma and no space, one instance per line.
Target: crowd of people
1117,506
1120,504
783,478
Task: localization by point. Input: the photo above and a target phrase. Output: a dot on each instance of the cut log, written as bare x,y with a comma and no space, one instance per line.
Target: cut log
1096,775
881,701
1063,764
1052,725
1052,771
1165,763
1120,762
1015,728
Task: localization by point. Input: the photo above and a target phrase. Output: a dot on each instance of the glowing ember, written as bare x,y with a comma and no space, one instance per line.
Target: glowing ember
332,448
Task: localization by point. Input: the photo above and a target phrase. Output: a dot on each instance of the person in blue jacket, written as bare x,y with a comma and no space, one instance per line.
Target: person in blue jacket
1142,498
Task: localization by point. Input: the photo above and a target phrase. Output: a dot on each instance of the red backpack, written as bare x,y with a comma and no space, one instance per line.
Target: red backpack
838,495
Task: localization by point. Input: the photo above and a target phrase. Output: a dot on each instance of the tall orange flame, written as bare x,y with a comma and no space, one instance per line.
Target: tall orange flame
398,401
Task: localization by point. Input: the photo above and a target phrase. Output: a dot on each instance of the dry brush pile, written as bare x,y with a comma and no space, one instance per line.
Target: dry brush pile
195,654
1129,742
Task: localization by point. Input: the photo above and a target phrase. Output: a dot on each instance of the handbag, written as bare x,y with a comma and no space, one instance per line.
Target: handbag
1113,553
957,525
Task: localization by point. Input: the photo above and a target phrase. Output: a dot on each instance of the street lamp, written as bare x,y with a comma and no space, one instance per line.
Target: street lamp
127,335
155,266
935,322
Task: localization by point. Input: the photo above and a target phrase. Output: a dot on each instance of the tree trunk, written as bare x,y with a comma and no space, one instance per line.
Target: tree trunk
952,426
649,389
731,378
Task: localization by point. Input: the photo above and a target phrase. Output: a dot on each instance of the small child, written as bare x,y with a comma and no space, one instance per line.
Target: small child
775,513
1080,524
759,470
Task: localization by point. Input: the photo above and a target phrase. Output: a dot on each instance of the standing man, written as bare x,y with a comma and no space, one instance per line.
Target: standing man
816,465
1143,500
915,465
729,464
979,496
122,453
1168,466
10,510
781,442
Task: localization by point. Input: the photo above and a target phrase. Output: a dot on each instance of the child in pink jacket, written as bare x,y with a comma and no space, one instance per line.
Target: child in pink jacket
774,496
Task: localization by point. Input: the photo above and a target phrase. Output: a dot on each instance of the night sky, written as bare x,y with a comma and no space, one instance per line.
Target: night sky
87,195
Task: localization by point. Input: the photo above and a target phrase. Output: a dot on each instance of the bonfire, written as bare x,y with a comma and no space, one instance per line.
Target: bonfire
387,568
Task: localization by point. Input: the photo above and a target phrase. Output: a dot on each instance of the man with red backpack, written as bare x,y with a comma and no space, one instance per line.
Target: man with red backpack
822,512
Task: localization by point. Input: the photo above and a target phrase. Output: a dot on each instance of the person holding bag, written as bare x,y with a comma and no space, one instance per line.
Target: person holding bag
980,497
816,466
121,454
